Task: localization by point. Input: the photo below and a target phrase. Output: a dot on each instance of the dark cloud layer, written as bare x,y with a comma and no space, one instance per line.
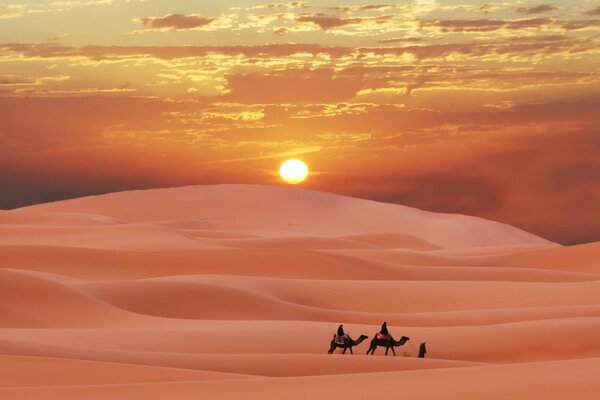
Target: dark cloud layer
325,21
594,11
539,9
490,25
484,25
541,44
176,21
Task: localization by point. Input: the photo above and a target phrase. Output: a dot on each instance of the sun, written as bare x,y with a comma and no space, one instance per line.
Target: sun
293,171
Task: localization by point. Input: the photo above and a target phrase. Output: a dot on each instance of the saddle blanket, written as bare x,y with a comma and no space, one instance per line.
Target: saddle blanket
381,336
341,339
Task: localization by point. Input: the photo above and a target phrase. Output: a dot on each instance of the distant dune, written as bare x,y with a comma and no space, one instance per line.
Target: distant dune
273,212
233,291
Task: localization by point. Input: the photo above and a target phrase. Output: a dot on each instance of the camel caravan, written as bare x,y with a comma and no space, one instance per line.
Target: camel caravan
382,338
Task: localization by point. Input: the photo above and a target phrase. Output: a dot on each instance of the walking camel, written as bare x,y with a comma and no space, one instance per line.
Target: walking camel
388,343
348,344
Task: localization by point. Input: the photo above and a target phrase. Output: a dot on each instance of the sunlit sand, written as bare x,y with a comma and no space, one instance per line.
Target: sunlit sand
235,291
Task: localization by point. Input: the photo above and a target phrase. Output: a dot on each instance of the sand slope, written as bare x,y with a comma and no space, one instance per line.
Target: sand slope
235,291
292,211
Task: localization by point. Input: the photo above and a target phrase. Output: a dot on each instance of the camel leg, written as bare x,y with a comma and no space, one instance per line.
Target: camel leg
393,351
387,349
331,348
351,352
344,352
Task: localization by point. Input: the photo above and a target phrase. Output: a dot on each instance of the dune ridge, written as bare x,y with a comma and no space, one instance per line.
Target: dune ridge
236,290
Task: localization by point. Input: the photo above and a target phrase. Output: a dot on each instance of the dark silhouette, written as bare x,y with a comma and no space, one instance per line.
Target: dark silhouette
388,343
422,350
348,344
384,329
341,336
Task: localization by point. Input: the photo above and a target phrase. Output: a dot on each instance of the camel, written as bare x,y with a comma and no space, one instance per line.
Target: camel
389,343
348,345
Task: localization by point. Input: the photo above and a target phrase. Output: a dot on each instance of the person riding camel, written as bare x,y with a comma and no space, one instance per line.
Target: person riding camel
342,337
383,333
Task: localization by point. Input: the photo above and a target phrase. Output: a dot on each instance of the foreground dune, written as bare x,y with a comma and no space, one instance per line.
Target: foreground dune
575,379
234,290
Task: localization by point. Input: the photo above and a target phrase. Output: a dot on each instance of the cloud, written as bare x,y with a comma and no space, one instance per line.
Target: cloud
580,24
355,26
325,21
288,6
502,50
365,7
539,9
484,25
593,12
16,10
291,86
280,155
490,25
406,39
49,50
396,73
176,21
517,46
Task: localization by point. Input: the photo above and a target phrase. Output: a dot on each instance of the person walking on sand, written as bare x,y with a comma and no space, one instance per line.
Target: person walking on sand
422,350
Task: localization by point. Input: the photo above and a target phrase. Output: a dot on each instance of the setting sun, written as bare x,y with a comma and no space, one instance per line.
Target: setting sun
293,171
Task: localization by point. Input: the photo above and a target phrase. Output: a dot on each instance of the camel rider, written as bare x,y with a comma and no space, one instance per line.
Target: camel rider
341,335
384,331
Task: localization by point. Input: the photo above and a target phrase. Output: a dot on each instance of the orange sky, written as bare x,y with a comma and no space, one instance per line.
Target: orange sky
489,109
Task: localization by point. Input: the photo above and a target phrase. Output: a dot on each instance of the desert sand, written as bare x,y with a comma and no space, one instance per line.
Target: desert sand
234,291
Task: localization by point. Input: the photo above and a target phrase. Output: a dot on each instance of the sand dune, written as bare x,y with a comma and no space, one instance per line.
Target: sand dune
565,380
30,300
236,290
257,298
582,258
111,237
44,371
294,211
535,340
392,241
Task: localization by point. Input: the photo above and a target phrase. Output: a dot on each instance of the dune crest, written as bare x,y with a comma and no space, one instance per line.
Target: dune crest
274,210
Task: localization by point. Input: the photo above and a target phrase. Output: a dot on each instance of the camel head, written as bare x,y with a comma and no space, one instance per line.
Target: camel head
363,337
404,339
